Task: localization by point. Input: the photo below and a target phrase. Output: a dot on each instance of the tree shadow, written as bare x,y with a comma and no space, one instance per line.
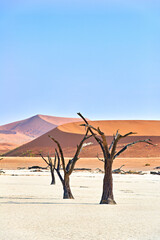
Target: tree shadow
27,198
47,203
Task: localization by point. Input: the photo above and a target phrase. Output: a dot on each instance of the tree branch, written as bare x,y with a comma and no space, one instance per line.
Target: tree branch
58,167
86,122
55,159
50,160
79,147
103,142
44,159
71,163
114,138
61,152
58,164
130,144
91,127
100,159
117,138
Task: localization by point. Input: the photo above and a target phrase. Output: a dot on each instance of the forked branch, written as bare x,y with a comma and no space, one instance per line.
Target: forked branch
103,143
116,140
60,151
148,141
51,166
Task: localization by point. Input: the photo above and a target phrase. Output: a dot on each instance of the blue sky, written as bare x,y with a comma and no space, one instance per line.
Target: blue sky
101,58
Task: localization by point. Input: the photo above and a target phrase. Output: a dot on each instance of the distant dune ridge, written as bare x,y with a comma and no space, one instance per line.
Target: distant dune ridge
70,134
109,127
17,133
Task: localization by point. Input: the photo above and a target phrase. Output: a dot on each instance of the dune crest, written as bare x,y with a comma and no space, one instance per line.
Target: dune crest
109,127
17,133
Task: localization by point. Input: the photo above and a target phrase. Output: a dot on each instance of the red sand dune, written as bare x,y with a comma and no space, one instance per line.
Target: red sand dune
69,135
109,127
17,133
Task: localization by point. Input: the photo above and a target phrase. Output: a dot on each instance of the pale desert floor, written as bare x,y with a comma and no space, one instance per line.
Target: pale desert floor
31,209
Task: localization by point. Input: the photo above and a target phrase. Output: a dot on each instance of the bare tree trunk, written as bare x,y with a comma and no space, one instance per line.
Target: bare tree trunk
107,195
67,194
109,154
52,176
67,169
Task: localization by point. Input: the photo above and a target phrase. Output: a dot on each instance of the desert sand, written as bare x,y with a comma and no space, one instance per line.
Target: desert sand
137,164
32,209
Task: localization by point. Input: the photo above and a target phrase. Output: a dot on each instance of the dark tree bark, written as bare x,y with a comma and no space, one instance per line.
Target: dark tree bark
51,167
67,169
52,176
107,194
67,194
109,154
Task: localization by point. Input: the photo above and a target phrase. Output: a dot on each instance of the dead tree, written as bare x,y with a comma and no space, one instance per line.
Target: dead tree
51,166
119,170
69,167
109,154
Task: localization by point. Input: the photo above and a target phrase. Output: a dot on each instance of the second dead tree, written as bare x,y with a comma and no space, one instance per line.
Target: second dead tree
67,168
109,154
51,167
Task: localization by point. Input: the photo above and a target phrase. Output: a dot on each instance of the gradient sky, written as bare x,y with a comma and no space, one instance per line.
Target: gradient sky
101,58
